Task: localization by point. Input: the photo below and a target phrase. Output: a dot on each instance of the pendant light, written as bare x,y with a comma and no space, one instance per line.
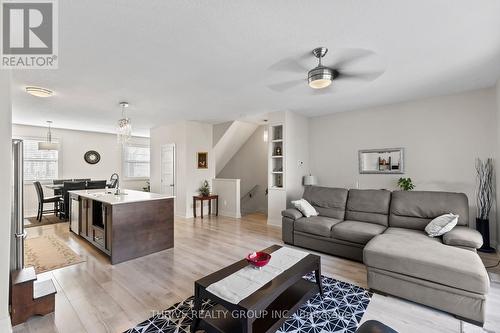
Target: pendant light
48,145
124,130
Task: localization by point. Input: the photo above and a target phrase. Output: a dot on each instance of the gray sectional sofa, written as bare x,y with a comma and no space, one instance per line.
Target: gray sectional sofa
385,230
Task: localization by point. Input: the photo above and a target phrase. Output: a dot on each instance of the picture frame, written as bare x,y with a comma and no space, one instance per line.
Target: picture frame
381,161
202,160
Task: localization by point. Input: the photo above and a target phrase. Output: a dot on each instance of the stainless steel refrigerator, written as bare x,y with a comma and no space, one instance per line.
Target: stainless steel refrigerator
17,226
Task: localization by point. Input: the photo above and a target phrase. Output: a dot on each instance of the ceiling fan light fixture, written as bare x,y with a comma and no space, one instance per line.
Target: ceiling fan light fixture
320,77
39,91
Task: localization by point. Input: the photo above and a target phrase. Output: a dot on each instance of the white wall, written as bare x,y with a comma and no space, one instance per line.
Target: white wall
74,144
228,191
442,136
190,138
297,154
5,198
249,165
199,139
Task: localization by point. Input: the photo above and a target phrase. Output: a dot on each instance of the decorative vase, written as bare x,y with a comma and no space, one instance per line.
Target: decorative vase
483,226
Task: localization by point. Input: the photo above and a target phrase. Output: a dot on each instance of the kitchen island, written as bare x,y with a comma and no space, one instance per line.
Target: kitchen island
124,226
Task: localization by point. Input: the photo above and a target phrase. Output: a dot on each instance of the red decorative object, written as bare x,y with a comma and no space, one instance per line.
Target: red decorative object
258,259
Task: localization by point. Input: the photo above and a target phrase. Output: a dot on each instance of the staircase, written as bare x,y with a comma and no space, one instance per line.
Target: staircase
29,297
230,139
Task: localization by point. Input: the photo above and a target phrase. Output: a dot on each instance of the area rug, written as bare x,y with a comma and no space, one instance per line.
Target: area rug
339,310
31,222
46,253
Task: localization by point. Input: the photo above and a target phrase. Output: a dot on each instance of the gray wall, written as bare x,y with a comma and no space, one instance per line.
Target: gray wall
250,165
442,137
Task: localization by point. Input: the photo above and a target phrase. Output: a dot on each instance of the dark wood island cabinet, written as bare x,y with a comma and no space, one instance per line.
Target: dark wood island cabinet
125,226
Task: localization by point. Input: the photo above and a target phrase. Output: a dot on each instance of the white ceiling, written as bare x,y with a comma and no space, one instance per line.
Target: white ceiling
215,60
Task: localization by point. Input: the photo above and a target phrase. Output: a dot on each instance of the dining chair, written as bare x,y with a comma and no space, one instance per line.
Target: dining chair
96,184
58,191
42,200
69,186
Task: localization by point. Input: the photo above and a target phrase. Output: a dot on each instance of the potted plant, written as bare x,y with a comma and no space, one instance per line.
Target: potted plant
484,200
405,184
204,188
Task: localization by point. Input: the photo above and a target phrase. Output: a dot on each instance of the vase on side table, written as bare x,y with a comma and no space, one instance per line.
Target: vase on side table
483,226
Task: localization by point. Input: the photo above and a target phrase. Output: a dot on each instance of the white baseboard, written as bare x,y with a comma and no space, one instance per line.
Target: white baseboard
5,325
275,222
236,215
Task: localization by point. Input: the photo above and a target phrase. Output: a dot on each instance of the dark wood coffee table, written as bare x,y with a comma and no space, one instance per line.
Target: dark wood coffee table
274,302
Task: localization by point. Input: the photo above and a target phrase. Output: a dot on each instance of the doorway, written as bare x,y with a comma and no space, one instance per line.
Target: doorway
168,169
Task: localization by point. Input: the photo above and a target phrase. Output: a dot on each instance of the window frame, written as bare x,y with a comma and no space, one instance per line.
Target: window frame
124,161
59,158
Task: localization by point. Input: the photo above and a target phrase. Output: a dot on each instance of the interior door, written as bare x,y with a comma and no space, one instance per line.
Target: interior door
168,169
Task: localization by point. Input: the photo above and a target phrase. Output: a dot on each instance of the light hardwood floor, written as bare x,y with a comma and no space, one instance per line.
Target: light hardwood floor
95,296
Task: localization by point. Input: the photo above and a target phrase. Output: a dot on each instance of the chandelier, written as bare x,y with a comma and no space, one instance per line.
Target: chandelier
124,130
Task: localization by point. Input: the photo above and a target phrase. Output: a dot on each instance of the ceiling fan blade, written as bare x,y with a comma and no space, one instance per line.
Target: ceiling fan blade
283,86
366,76
324,91
348,57
289,65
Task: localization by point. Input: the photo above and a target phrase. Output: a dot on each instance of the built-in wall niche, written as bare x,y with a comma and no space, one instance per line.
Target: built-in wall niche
380,161
277,156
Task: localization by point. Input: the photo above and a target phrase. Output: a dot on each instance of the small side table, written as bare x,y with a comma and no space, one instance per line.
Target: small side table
208,198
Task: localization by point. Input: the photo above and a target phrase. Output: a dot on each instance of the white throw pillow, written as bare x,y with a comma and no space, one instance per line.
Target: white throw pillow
441,225
305,207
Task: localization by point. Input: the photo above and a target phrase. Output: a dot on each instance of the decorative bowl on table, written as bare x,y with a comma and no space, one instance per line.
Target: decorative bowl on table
258,259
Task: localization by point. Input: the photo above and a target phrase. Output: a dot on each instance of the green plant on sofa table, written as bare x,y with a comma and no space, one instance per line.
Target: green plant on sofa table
406,184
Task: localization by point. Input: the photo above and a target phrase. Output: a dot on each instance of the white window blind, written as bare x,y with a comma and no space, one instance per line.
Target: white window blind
39,164
136,161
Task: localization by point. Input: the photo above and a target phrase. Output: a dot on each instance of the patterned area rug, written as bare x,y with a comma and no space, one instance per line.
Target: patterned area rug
46,253
339,310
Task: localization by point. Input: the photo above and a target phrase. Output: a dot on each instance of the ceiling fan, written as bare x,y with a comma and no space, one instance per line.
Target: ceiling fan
322,76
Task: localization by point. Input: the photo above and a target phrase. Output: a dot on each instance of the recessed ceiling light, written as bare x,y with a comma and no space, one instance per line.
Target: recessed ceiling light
39,91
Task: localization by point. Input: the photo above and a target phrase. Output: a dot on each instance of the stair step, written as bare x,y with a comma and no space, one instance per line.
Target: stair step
24,275
43,288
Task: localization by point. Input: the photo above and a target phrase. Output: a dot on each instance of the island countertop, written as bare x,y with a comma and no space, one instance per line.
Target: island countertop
126,196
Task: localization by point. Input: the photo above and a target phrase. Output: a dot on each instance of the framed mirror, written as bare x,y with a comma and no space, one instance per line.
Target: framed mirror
380,161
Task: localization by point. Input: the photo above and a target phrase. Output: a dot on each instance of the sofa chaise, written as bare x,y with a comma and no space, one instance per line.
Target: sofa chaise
385,230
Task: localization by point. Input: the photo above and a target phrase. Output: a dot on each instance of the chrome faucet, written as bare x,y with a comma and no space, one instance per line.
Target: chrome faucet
117,186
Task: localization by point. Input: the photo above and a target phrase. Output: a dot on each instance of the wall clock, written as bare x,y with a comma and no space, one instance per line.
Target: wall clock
92,157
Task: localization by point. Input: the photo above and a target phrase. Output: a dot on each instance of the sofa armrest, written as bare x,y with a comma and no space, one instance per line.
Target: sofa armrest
292,213
463,236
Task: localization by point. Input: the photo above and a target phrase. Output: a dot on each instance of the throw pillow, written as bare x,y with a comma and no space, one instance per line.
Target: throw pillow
305,207
441,225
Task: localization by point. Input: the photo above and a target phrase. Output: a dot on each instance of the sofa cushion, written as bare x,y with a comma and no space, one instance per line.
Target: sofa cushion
441,225
368,206
434,261
463,236
328,201
305,207
412,233
415,209
356,231
316,225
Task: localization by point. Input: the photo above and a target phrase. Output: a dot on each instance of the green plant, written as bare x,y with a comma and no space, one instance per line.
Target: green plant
204,188
405,184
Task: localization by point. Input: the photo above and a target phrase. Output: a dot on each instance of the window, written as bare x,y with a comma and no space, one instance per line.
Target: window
39,164
136,161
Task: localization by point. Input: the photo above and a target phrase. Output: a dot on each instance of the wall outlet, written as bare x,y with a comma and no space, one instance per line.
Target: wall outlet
225,203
